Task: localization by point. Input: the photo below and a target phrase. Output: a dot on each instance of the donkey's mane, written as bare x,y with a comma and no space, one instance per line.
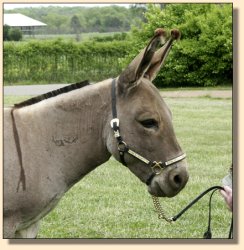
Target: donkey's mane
52,94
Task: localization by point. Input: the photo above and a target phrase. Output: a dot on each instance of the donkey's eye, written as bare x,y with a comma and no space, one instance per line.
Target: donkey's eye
149,123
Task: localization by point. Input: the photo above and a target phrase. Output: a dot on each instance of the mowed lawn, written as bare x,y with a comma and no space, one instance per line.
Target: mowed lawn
111,202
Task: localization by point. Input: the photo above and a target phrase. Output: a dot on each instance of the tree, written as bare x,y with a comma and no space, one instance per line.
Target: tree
113,23
15,34
11,34
76,26
55,22
203,57
6,29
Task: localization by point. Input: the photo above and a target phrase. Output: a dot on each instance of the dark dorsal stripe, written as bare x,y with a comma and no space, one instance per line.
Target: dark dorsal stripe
52,94
18,148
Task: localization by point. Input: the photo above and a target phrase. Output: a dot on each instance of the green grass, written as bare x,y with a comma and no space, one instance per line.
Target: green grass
219,87
111,202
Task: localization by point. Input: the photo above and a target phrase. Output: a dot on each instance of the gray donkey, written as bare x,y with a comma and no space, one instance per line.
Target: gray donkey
52,141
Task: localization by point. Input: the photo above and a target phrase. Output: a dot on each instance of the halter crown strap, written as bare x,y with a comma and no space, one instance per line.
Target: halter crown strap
157,167
113,93
122,146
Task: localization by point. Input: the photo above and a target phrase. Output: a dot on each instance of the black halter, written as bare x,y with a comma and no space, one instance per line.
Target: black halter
157,167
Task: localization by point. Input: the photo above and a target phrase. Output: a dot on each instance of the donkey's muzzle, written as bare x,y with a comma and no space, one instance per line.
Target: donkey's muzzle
170,182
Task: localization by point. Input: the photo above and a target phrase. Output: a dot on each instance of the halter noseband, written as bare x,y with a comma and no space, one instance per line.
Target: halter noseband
157,167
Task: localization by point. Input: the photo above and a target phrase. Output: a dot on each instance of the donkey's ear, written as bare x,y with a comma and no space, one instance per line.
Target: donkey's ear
132,74
160,56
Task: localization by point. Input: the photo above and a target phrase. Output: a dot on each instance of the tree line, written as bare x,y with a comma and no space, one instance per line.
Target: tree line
66,20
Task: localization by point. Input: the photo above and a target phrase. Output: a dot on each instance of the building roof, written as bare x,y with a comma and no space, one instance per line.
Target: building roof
19,20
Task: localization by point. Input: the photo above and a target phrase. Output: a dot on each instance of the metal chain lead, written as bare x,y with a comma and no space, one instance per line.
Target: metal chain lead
160,211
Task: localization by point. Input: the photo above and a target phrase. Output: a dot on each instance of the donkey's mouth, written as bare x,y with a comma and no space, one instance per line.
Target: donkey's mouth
158,192
155,190
171,182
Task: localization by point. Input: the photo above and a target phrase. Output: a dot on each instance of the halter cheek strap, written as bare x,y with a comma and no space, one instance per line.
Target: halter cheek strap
157,167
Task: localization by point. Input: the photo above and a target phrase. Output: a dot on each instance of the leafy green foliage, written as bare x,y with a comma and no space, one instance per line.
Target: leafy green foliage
6,29
110,38
11,34
75,24
61,61
203,57
76,27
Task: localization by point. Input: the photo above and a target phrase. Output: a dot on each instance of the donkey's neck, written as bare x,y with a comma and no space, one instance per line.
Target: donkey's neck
66,134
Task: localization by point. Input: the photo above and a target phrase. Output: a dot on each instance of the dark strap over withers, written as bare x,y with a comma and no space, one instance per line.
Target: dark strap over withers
22,178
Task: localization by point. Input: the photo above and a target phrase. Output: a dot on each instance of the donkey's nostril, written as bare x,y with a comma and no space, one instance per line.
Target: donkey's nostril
177,179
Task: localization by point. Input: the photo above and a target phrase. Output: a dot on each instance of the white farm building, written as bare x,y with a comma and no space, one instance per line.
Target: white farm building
26,24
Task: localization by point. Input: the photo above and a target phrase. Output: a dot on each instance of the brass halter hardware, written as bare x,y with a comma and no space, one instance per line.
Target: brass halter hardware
156,168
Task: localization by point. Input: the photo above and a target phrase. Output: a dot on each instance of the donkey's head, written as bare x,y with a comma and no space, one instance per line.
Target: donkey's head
142,123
